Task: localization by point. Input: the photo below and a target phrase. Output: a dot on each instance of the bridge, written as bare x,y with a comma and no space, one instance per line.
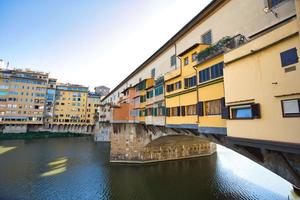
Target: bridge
240,90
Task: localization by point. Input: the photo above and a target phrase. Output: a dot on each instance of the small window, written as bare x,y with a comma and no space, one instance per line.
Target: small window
289,57
242,112
186,61
206,38
153,73
250,111
194,56
273,3
291,108
173,60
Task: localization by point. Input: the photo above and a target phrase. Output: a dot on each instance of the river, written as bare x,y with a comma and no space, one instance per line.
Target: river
78,168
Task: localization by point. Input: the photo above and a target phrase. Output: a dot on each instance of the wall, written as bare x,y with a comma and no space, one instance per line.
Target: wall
135,143
258,77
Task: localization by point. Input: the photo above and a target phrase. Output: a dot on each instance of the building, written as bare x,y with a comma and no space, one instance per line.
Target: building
262,86
22,97
70,105
219,19
181,91
50,102
92,108
102,90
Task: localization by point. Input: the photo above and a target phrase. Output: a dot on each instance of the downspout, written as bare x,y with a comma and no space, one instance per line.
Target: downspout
197,89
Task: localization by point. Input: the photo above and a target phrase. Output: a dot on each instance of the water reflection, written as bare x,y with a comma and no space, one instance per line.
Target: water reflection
4,149
56,167
78,168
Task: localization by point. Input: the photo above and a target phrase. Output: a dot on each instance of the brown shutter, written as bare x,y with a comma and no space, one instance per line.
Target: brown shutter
255,110
200,108
225,112
182,110
178,110
186,83
168,112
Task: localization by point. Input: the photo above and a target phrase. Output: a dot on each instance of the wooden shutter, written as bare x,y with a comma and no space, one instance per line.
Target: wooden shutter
200,108
178,111
186,83
182,110
225,112
255,110
168,112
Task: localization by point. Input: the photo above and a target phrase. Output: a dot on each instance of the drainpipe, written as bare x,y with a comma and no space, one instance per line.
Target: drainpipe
197,87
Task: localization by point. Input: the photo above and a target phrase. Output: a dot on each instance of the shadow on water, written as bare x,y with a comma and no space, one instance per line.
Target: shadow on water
78,168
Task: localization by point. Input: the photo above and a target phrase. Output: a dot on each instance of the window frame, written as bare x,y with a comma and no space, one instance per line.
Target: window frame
292,114
186,61
242,106
205,34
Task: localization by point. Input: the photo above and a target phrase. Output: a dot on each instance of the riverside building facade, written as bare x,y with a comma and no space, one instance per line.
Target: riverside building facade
231,71
31,100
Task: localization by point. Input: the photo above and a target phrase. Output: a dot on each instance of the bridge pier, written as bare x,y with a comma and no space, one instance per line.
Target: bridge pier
137,143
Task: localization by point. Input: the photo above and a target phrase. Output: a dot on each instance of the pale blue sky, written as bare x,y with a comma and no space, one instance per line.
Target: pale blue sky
89,42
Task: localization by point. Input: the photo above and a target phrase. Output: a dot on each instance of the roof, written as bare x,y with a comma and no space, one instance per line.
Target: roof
189,49
201,15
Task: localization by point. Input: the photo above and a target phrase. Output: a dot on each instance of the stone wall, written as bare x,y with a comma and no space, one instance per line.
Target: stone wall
136,143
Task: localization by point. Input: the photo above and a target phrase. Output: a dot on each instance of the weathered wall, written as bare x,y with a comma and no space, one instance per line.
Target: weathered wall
136,143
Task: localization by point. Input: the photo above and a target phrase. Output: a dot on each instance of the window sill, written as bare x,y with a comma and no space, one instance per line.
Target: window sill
210,82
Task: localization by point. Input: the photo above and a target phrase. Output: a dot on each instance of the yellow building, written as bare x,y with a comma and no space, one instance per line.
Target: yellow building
70,105
92,108
181,93
22,97
210,86
149,101
262,86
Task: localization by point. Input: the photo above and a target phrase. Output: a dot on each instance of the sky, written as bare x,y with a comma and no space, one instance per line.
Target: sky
89,42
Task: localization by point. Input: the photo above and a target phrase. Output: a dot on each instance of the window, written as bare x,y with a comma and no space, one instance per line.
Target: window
194,56
272,3
159,90
153,73
289,57
191,110
212,72
206,38
204,75
170,88
175,111
186,60
216,70
249,111
173,60
150,94
291,108
190,82
178,85
213,107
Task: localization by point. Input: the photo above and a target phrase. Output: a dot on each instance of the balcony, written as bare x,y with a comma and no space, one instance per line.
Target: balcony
225,44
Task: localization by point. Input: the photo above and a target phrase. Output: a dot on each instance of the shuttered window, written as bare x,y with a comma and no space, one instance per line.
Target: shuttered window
190,82
213,107
212,72
289,57
191,110
206,38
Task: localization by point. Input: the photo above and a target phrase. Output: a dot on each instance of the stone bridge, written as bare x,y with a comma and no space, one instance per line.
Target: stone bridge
138,143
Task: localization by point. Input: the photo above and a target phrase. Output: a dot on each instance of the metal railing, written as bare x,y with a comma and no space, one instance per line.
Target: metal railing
225,44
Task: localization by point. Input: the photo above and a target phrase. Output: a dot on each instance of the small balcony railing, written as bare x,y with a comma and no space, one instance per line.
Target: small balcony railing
225,44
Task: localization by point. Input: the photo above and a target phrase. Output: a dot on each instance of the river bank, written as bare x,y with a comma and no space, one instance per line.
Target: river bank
40,135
